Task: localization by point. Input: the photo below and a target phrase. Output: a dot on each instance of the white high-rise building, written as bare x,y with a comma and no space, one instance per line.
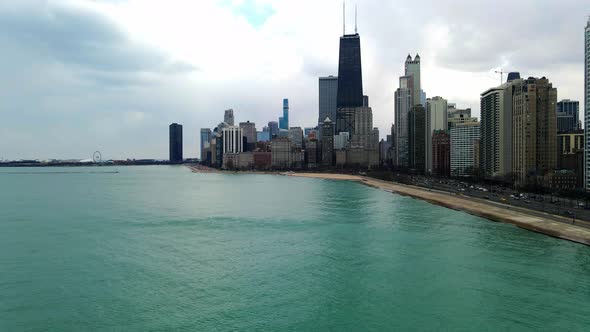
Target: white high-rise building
232,140
587,103
464,138
403,103
436,119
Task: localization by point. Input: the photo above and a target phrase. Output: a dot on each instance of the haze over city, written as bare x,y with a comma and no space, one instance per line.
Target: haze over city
111,75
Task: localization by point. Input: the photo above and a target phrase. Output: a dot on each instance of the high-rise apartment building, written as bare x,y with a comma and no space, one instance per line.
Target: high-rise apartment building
328,95
205,142
464,137
534,128
568,115
403,103
284,120
570,154
441,153
417,138
436,119
496,132
228,117
175,143
412,69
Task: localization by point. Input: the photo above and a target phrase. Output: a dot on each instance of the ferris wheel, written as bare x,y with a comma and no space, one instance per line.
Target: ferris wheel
97,157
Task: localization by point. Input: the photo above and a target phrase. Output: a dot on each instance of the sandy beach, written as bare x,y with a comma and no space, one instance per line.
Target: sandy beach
493,211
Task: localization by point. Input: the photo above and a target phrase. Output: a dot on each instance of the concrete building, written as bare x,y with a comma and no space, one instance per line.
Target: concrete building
281,153
228,117
496,132
463,139
232,140
327,150
412,69
587,105
417,138
441,153
568,115
328,94
296,136
534,129
457,115
312,153
363,148
205,143
284,120
262,160
403,102
384,152
175,143
436,119
341,141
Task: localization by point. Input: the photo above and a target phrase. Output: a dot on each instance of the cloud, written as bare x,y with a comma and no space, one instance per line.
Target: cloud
112,74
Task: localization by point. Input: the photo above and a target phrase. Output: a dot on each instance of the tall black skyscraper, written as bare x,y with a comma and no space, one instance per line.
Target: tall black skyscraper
176,143
350,82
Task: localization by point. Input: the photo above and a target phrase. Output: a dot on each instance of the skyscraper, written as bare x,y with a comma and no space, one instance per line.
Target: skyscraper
175,141
403,103
249,132
284,120
496,132
328,94
327,143
412,69
441,153
205,142
232,140
587,104
273,128
534,128
568,115
417,138
350,83
228,117
436,119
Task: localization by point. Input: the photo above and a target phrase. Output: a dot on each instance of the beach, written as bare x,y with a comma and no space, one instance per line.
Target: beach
529,220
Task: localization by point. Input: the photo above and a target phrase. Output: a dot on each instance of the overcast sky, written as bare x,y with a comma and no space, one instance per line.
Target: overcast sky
111,75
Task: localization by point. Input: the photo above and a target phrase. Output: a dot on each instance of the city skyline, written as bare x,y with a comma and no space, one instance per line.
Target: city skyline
114,87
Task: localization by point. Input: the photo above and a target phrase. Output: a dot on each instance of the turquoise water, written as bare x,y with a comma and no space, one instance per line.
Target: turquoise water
160,248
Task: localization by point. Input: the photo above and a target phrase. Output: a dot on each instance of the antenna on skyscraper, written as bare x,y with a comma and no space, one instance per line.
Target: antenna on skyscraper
355,26
343,18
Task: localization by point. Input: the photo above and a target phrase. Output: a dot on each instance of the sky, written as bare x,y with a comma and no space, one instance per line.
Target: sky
111,75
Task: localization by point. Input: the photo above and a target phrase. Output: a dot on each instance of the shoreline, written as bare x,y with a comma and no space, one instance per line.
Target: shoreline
494,212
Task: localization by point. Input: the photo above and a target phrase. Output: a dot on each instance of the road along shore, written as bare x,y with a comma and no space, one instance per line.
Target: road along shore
495,212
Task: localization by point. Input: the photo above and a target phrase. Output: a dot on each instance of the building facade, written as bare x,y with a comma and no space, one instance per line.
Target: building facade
328,94
496,132
403,103
233,142
417,138
587,105
534,129
436,119
568,115
249,132
205,143
412,69
273,128
350,83
441,153
175,143
296,136
570,154
327,143
463,139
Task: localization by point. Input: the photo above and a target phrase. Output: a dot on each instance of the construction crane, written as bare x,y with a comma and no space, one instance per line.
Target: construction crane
501,72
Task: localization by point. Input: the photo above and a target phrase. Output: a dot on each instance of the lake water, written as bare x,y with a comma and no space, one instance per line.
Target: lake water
161,248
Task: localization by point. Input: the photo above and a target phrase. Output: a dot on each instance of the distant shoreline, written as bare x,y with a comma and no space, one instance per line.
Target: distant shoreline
492,211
